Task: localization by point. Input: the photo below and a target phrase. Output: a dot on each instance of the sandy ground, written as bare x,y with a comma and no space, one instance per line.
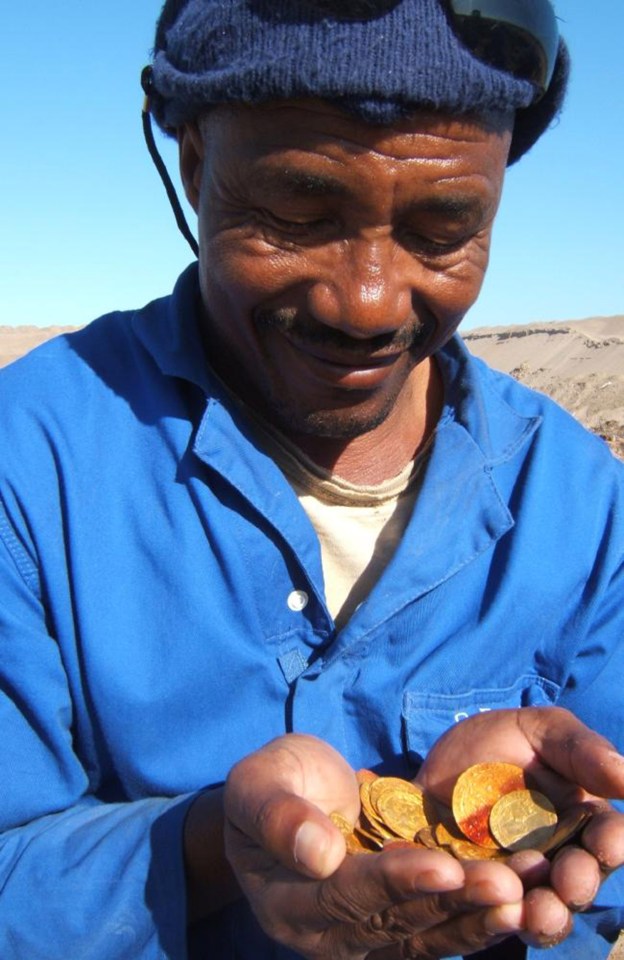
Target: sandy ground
15,341
579,363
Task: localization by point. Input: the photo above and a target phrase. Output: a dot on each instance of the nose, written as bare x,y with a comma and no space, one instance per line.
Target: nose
366,291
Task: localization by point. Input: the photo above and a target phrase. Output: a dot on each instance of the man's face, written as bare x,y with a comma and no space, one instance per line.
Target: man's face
334,256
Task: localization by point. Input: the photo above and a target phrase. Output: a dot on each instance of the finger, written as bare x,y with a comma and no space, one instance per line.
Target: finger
364,886
603,837
531,866
368,888
485,885
463,935
547,921
575,877
280,796
528,737
574,751
288,830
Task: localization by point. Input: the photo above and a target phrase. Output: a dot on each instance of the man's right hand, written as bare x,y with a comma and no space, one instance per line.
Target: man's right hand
290,861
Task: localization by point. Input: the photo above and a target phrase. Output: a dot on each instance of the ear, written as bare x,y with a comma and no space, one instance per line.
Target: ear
191,154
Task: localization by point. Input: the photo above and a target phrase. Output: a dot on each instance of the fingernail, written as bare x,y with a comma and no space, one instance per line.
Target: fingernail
311,845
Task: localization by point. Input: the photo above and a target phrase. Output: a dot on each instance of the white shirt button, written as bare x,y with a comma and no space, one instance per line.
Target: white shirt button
297,600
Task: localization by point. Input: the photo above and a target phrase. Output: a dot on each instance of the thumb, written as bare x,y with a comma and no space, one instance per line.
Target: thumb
277,802
573,750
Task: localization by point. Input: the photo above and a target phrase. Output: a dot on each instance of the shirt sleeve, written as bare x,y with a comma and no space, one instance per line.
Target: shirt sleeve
78,877
594,694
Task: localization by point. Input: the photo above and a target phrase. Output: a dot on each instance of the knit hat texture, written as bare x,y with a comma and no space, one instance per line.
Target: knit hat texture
381,66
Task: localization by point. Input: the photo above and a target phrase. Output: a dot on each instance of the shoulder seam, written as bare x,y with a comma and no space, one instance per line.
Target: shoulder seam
22,561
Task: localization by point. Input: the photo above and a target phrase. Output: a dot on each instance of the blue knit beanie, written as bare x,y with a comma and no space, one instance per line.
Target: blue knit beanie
382,66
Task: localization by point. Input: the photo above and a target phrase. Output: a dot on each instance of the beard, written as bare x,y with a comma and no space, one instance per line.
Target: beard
354,414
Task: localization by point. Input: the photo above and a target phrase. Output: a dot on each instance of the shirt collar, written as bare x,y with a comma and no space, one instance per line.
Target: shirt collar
478,400
169,329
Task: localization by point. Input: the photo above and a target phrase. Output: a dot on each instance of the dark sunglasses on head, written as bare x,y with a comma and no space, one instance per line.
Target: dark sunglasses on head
520,37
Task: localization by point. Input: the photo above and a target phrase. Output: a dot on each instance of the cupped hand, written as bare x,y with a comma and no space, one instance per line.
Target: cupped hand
290,861
572,765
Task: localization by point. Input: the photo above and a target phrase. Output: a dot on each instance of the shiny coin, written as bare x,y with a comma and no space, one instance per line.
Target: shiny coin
427,838
341,822
465,850
353,841
522,820
365,776
397,844
476,791
400,805
370,820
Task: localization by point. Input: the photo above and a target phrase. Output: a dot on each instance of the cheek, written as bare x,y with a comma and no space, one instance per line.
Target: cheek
249,272
457,286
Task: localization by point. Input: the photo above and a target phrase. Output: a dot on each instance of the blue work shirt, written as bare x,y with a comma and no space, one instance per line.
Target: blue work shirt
162,614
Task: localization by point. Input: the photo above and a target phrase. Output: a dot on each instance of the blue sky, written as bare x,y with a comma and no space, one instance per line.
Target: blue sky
86,227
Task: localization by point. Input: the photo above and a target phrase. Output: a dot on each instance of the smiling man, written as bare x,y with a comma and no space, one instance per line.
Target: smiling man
280,525
337,258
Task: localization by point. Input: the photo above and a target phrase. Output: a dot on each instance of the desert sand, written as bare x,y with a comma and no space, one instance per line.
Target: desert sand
16,341
579,363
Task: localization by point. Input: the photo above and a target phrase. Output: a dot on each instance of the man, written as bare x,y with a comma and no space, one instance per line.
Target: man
280,525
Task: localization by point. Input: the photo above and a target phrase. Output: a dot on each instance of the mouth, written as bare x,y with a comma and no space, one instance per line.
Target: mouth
360,365
324,357
350,370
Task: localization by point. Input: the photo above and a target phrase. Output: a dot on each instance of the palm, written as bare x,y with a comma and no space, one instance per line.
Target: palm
569,762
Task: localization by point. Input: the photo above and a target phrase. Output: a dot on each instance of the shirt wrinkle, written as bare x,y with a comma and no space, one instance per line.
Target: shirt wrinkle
185,587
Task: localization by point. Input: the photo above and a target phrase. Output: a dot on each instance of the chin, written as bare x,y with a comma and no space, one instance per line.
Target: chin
330,424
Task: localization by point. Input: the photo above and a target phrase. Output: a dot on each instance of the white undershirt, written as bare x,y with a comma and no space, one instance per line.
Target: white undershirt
359,527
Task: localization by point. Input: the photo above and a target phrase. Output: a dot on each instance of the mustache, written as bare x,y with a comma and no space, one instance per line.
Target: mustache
303,331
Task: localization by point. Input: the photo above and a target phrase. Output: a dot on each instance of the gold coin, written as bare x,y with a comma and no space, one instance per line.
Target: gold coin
570,824
396,843
370,820
476,791
376,832
356,843
400,805
365,776
523,819
465,850
446,832
341,822
427,838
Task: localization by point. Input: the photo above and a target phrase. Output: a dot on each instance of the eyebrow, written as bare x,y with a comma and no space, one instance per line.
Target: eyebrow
300,183
458,207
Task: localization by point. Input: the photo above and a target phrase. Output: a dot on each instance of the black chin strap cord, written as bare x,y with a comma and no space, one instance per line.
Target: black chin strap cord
148,133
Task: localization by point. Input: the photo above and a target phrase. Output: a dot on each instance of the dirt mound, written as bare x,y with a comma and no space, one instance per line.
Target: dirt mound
579,364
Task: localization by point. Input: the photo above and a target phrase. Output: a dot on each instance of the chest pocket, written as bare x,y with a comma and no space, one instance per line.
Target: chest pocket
426,716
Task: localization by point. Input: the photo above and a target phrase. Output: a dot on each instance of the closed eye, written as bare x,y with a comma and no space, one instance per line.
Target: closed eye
417,243
302,229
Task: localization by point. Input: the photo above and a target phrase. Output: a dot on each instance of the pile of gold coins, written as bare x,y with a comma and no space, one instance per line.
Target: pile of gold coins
494,814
